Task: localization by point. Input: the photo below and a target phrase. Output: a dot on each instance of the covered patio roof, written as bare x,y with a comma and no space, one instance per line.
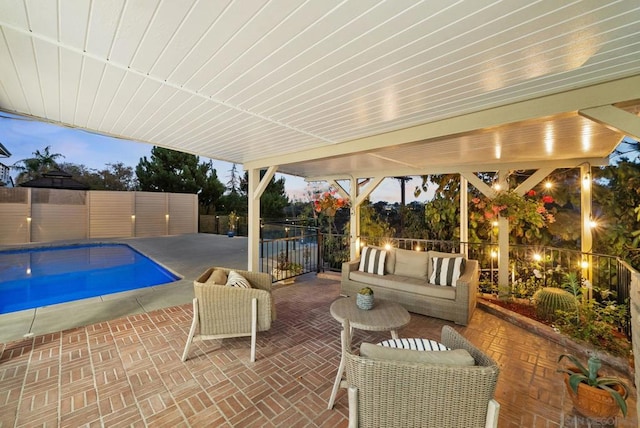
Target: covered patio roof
334,89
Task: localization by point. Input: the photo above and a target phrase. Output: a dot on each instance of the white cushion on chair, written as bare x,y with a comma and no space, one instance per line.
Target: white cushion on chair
234,279
454,357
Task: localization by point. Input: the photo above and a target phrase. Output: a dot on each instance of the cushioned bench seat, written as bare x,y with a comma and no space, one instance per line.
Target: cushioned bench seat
407,277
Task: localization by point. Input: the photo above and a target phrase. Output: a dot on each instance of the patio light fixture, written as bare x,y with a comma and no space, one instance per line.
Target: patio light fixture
537,257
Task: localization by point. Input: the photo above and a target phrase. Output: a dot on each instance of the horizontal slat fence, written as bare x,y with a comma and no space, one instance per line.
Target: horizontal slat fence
42,215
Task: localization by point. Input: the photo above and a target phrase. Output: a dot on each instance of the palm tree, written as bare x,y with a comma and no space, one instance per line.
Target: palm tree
34,167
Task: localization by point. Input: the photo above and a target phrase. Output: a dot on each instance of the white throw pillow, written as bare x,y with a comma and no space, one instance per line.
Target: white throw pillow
234,279
372,260
446,270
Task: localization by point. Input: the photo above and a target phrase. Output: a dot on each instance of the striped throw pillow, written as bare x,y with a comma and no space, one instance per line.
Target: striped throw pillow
236,280
372,260
446,270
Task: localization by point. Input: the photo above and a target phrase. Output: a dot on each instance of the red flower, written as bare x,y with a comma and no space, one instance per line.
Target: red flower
547,199
531,192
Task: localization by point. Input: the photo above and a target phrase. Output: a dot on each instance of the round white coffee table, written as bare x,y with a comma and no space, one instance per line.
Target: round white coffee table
384,316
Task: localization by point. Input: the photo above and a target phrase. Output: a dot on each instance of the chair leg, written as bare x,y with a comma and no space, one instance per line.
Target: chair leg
352,394
254,327
194,325
492,414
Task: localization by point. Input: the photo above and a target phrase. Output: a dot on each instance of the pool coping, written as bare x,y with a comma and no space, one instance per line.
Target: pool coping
185,256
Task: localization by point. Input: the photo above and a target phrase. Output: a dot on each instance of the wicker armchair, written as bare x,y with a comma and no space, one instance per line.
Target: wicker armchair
399,394
220,312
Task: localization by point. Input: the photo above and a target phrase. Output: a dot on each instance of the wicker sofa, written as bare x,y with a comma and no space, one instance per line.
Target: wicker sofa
396,393
406,281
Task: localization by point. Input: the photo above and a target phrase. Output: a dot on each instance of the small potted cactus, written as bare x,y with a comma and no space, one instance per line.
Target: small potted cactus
364,298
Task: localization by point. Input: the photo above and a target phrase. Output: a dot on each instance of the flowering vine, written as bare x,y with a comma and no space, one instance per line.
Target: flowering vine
529,209
327,203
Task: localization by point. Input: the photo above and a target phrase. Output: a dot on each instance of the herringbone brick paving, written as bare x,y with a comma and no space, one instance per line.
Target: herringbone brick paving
128,372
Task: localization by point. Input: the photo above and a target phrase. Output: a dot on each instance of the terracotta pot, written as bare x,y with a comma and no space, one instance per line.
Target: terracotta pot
593,402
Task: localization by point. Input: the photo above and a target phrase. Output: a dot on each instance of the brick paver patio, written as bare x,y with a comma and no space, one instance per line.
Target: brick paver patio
127,372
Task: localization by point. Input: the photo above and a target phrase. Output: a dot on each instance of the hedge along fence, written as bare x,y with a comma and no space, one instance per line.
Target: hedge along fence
41,215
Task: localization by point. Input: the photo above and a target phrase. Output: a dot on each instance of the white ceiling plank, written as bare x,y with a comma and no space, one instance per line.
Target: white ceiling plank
90,79
24,59
190,115
193,71
70,72
300,32
281,22
139,99
10,78
74,21
104,20
136,18
5,99
262,24
160,107
197,23
111,80
49,62
13,12
167,19
40,13
127,87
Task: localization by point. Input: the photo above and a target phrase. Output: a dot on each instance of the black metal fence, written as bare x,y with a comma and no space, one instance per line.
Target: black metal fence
531,267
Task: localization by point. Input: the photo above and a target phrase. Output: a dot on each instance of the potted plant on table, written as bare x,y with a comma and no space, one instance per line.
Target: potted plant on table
364,298
593,395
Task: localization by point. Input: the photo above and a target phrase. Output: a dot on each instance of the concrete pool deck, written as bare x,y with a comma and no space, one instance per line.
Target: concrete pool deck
185,255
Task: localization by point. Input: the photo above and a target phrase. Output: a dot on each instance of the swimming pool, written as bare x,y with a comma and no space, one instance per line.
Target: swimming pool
31,278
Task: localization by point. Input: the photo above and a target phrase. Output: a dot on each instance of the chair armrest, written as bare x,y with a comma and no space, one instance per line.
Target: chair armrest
348,267
469,277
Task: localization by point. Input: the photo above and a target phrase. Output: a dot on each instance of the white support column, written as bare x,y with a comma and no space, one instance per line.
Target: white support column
256,188
358,196
503,243
586,239
354,221
464,215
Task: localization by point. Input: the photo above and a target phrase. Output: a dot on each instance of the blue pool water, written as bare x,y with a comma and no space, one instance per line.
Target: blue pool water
45,276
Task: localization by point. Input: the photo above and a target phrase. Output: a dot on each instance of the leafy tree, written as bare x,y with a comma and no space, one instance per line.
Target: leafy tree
616,194
117,177
169,171
274,199
172,171
371,224
234,182
34,167
212,190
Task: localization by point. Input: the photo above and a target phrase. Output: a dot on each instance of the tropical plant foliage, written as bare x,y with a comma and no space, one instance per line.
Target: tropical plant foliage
589,375
34,167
